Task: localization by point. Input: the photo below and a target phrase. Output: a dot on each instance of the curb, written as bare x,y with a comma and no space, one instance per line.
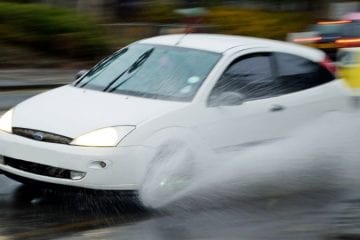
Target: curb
30,86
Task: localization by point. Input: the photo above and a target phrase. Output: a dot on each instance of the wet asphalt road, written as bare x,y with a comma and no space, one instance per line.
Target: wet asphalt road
34,213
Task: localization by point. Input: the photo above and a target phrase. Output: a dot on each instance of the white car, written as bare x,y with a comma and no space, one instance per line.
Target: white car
175,100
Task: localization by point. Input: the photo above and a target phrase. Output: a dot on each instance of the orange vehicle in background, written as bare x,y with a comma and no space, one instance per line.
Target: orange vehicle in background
351,32
331,35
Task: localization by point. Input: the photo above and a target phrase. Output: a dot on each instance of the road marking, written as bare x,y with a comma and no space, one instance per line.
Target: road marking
15,92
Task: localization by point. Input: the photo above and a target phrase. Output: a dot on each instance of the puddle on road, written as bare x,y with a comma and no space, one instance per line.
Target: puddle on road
33,213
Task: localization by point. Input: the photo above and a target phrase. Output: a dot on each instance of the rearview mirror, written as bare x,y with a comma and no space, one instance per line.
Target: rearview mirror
226,99
80,74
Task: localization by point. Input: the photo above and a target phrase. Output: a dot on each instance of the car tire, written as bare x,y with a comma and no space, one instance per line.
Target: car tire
169,176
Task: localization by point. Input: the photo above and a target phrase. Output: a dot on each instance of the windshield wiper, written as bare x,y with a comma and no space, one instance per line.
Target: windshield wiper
130,70
105,62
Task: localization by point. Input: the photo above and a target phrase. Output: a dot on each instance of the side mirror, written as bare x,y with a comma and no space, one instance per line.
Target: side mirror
227,99
80,73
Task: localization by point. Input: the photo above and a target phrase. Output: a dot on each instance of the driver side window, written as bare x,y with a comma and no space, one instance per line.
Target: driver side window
251,76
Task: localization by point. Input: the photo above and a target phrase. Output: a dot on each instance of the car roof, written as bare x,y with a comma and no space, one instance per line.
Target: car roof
222,43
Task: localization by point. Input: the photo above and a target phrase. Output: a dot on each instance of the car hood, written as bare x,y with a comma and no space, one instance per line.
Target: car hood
71,111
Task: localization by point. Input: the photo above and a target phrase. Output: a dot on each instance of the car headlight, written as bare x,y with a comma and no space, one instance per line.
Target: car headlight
105,137
6,121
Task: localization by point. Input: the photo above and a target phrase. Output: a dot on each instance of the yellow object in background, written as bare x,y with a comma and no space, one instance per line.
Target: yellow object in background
349,66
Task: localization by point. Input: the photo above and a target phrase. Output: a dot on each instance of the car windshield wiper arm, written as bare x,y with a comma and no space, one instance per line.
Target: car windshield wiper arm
100,66
122,82
130,70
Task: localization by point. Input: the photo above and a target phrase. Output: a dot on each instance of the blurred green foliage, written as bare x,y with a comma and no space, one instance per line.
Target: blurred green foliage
158,12
258,23
54,30
234,20
65,33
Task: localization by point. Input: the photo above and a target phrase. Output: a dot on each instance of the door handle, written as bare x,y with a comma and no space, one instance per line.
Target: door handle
277,108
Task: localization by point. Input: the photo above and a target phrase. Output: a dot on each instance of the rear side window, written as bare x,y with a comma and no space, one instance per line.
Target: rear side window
296,73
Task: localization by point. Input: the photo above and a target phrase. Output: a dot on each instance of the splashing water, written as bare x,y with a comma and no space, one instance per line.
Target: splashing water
320,156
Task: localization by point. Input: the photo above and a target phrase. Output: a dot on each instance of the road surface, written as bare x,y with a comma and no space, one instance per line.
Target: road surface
29,213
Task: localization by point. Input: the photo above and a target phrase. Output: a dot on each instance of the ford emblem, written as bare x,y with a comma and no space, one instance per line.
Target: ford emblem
39,136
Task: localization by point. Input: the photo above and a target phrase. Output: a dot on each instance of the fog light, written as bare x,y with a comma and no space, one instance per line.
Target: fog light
2,161
75,175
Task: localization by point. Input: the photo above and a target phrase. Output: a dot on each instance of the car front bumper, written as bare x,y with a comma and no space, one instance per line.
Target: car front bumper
124,170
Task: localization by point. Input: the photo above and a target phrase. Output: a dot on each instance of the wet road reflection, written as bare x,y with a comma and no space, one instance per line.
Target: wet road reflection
32,213
308,216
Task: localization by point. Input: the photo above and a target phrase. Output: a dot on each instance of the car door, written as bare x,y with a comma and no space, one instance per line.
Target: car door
246,123
281,93
308,90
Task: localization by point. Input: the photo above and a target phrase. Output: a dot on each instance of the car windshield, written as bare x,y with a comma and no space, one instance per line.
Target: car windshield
152,71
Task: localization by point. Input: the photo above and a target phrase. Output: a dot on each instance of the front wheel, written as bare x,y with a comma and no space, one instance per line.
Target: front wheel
169,176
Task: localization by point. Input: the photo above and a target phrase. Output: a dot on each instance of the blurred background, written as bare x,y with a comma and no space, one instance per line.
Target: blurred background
77,33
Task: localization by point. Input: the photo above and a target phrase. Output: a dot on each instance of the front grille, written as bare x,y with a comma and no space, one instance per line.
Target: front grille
38,169
41,136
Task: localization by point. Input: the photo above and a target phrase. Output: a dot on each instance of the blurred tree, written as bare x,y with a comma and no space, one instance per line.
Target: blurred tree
52,30
126,10
203,3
